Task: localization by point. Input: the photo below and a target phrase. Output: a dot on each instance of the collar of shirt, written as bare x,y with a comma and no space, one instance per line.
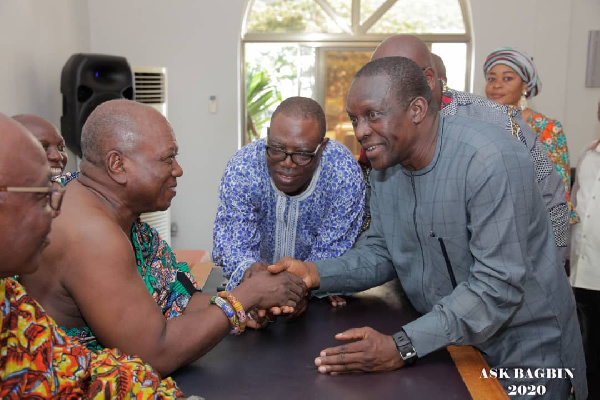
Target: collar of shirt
446,97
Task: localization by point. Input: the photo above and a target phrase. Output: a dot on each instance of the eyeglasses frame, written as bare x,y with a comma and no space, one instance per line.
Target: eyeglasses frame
49,190
303,153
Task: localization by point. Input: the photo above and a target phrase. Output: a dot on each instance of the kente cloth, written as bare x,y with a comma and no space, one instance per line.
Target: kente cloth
550,133
520,62
38,360
85,336
65,178
471,242
170,283
257,222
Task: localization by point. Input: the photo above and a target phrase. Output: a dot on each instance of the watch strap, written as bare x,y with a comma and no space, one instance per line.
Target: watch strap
405,347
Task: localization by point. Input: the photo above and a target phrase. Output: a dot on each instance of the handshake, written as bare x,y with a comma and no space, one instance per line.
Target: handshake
282,289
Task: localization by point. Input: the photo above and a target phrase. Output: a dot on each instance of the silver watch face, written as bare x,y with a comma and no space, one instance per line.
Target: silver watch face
405,347
409,354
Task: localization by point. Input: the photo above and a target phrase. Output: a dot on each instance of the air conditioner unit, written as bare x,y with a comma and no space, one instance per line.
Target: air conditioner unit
151,88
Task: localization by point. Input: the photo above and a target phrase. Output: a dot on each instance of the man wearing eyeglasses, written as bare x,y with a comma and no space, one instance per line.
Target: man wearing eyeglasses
53,193
295,193
37,359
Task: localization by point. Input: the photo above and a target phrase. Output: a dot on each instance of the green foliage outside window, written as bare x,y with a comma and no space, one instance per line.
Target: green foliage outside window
260,95
289,16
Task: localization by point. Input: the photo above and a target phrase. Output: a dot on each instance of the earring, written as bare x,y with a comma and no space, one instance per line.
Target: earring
523,100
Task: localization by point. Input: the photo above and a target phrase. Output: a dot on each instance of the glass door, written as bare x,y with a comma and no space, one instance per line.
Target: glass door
337,69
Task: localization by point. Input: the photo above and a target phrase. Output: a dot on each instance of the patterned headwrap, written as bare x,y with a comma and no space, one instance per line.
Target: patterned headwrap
520,62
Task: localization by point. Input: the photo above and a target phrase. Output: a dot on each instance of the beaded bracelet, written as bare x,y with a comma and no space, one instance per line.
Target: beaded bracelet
228,310
237,306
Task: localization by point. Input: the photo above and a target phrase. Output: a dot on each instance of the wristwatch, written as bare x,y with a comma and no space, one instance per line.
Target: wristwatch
405,347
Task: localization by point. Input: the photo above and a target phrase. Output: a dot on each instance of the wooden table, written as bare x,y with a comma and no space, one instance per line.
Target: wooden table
278,362
198,262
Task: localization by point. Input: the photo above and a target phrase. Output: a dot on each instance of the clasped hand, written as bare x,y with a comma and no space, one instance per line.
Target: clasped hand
371,351
261,317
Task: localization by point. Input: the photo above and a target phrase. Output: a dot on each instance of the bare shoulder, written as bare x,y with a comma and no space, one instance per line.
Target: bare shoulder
100,273
85,234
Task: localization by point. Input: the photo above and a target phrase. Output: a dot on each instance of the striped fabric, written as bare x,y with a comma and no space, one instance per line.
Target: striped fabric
520,62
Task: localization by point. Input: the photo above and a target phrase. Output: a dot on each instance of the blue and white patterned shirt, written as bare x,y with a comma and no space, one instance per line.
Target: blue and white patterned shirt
257,222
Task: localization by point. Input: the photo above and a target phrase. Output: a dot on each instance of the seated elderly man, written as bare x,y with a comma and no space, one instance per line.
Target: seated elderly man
37,359
454,102
295,193
91,279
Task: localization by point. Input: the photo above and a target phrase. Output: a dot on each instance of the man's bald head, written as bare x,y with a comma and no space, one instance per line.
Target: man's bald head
407,46
24,217
115,125
16,167
129,153
415,49
50,138
32,122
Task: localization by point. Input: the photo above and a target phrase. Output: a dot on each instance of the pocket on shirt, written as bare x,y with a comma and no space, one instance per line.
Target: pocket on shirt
452,256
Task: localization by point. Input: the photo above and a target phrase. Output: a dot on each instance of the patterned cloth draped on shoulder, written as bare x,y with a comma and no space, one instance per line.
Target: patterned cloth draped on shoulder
170,283
39,360
550,133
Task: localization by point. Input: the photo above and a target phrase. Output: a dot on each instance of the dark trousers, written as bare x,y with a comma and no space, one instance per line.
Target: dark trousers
588,312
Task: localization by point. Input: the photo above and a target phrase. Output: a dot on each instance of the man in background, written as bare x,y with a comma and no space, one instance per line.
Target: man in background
295,193
51,140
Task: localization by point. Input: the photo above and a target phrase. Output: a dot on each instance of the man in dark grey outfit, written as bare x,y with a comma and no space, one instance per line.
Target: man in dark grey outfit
457,217
454,102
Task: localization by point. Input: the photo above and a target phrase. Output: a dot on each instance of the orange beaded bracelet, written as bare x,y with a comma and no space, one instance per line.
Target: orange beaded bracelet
237,306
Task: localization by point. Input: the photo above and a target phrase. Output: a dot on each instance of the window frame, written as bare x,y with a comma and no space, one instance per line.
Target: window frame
355,37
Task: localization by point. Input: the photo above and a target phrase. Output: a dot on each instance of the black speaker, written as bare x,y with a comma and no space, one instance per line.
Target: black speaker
88,80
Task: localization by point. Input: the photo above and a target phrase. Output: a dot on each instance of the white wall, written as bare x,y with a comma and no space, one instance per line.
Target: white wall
581,103
554,33
198,42
36,39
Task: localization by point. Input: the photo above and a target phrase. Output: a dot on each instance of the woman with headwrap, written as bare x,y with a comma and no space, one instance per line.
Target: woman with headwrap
512,79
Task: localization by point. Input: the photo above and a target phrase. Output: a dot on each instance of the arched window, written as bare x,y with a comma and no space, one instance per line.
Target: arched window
313,48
